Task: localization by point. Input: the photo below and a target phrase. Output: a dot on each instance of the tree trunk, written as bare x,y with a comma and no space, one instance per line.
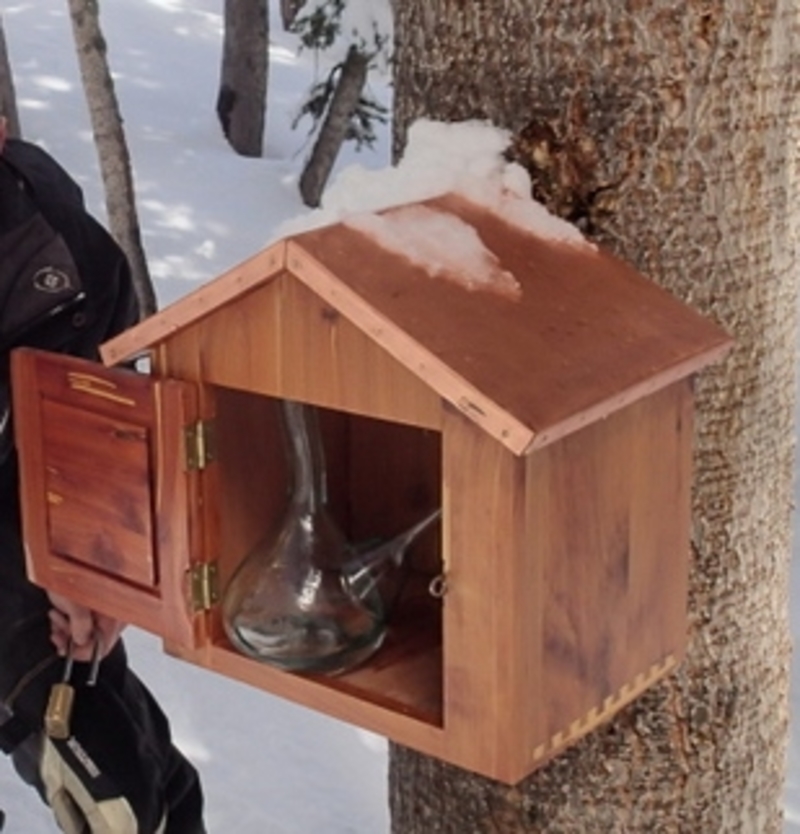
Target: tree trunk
8,98
112,149
242,96
671,138
289,10
352,78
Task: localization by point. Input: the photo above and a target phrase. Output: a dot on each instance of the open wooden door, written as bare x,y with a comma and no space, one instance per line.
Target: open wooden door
109,506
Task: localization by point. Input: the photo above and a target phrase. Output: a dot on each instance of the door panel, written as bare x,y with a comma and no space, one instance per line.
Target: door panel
109,511
97,487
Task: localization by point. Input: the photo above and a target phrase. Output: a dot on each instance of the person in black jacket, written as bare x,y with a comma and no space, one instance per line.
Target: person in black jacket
65,286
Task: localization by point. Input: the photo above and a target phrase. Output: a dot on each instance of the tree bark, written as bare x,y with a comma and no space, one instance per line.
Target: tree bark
8,98
242,96
112,149
352,78
289,10
670,138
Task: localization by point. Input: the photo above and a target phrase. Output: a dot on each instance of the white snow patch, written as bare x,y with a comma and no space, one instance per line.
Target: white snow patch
465,158
441,243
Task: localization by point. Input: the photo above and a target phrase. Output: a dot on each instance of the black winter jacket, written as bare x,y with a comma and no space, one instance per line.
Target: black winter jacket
84,299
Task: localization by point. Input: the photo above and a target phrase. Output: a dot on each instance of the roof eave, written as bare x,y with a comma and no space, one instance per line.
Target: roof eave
152,331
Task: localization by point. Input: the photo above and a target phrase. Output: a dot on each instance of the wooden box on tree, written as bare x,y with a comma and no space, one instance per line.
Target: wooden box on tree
537,389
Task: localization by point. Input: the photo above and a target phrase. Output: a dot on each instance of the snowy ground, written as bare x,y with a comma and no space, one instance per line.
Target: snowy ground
268,767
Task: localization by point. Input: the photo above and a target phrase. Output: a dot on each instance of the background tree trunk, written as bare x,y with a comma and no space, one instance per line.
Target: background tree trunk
8,98
112,149
242,97
351,81
289,10
672,139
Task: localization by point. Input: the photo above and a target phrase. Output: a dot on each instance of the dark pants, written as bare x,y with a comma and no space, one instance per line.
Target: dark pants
118,721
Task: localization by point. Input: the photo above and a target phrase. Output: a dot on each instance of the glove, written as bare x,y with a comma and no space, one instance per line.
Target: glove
107,776
82,801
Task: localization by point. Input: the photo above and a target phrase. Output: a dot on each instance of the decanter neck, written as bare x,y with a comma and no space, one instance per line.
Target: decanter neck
307,457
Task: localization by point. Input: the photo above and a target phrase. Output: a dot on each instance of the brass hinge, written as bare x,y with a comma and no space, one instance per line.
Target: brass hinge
204,583
199,444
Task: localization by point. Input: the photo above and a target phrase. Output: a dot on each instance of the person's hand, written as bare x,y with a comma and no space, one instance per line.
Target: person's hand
70,621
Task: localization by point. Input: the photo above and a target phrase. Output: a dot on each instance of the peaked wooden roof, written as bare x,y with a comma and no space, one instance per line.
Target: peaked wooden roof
586,334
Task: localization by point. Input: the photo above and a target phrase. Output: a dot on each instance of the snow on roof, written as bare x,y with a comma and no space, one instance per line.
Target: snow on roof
462,157
442,244
466,158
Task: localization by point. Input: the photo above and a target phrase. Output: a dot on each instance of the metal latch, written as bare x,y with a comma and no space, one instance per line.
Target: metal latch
204,585
199,444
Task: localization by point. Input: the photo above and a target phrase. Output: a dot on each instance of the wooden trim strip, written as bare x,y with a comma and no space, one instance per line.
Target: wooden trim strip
674,373
242,278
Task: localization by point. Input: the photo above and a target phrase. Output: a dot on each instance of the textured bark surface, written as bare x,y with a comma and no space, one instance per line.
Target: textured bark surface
8,99
112,149
670,135
242,96
351,81
289,10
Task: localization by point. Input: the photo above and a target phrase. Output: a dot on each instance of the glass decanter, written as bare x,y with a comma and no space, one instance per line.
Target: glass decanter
289,603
